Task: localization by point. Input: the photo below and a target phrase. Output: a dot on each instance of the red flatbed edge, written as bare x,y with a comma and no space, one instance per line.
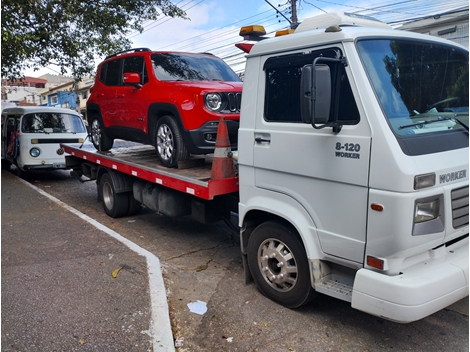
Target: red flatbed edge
141,161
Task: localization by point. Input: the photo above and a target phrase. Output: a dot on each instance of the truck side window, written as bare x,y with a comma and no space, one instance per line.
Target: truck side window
282,98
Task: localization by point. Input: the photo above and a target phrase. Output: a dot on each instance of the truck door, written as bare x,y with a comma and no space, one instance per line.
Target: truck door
325,172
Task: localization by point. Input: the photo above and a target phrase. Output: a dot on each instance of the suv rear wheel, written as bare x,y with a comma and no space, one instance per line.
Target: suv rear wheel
169,142
100,140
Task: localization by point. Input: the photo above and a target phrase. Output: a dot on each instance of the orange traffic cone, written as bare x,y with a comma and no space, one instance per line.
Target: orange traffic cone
222,165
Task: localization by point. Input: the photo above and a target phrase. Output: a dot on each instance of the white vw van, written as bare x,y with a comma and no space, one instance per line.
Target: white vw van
31,136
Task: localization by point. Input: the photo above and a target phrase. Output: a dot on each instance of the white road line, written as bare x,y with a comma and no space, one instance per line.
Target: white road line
160,326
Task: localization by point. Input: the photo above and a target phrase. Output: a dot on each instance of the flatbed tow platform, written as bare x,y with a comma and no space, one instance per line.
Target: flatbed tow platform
140,161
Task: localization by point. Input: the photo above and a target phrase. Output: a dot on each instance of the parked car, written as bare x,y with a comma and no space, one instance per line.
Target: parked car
170,100
31,137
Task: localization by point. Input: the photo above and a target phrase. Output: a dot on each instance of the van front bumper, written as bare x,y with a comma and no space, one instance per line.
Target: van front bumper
53,166
421,290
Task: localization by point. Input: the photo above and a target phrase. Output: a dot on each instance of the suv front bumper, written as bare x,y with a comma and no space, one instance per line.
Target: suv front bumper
202,140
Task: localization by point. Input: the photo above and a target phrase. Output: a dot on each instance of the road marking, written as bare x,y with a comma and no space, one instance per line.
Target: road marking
160,326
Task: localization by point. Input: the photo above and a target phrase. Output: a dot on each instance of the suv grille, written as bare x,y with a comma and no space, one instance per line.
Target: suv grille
234,101
460,207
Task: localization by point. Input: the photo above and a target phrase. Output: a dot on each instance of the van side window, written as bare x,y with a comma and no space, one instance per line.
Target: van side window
282,93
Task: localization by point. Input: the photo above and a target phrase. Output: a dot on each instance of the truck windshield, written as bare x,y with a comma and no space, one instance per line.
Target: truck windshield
422,87
52,123
187,67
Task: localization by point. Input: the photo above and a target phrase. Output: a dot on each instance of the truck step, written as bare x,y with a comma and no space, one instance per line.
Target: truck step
336,286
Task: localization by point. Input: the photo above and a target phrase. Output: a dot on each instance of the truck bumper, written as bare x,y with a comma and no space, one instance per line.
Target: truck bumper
422,289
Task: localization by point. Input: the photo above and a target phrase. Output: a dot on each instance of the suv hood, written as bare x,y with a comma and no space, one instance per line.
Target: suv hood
212,85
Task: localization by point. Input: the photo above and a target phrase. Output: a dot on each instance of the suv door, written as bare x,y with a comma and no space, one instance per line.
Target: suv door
110,78
131,101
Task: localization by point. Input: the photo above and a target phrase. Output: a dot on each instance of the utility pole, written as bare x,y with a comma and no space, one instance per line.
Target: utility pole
293,6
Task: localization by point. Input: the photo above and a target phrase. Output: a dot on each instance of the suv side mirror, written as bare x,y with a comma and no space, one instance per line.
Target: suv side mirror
132,79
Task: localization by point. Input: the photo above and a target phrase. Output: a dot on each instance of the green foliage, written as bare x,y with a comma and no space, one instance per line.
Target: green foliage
71,33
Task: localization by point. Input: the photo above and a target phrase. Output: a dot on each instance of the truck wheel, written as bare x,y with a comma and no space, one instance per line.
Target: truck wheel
114,204
99,138
169,142
279,265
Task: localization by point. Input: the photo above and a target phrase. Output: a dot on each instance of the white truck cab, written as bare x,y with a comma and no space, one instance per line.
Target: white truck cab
31,136
353,166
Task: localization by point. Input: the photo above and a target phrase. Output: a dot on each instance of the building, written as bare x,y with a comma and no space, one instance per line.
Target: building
451,25
23,92
29,90
70,95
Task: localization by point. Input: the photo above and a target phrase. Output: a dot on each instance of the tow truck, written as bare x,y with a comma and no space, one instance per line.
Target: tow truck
351,174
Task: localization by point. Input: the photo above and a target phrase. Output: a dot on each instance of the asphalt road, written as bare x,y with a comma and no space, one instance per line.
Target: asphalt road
202,262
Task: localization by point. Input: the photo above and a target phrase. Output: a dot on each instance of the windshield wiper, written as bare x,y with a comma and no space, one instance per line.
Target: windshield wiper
439,119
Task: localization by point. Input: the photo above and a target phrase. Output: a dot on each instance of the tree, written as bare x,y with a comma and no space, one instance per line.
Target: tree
71,33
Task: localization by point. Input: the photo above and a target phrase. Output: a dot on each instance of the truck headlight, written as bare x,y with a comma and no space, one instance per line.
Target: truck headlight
429,215
214,102
426,210
34,152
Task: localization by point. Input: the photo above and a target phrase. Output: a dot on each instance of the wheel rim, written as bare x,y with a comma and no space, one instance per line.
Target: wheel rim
96,132
165,142
277,264
108,196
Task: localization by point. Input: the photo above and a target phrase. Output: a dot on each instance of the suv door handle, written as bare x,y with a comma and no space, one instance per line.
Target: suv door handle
120,96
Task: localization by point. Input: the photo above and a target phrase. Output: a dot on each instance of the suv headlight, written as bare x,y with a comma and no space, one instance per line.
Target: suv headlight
214,102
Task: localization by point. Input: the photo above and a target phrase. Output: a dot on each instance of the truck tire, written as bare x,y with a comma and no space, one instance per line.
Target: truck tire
115,204
99,138
169,142
279,265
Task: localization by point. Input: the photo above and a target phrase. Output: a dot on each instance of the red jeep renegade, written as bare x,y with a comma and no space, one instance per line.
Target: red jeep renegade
167,99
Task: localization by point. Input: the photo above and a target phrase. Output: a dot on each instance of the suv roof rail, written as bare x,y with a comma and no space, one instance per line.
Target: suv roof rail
134,50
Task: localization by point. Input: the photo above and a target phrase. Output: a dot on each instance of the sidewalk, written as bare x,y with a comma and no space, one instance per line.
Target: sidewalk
58,289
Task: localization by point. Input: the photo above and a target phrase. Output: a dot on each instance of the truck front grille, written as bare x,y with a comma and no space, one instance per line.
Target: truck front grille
460,207
234,101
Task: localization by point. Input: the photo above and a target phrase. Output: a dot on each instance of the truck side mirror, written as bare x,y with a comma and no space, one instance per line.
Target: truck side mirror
132,79
315,91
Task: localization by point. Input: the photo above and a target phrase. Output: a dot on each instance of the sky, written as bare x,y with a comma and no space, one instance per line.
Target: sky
213,25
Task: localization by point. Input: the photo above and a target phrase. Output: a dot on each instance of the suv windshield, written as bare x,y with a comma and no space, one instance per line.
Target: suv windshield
187,67
52,123
421,86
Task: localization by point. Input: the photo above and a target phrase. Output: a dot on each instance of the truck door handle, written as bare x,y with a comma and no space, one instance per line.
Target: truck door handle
263,138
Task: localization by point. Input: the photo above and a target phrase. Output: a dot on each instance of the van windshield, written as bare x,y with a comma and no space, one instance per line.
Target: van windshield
422,86
52,123
188,67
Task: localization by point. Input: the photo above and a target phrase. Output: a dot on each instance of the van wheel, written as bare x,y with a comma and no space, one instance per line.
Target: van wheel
6,165
279,265
169,142
115,204
99,138
21,173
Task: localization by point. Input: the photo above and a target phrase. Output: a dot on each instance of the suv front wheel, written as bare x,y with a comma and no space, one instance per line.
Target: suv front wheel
169,142
98,137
